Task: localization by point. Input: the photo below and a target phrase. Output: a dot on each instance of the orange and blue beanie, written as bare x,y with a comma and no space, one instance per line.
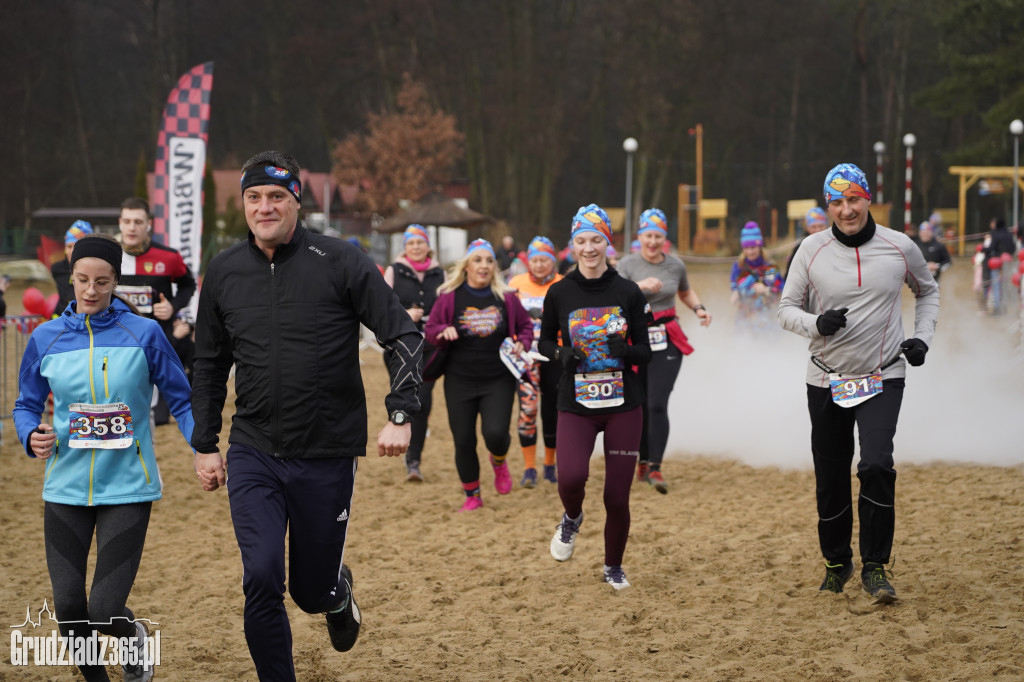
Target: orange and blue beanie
78,229
816,216
592,218
415,231
541,246
653,219
846,180
478,244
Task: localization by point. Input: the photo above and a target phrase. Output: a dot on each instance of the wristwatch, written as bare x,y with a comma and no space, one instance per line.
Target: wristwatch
399,417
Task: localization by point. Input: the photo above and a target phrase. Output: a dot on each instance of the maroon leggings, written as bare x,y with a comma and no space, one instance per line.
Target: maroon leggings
577,434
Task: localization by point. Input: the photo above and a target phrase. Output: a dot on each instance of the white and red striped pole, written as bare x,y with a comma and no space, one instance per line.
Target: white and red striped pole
908,141
879,157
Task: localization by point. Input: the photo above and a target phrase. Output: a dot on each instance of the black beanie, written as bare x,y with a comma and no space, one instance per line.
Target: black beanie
98,247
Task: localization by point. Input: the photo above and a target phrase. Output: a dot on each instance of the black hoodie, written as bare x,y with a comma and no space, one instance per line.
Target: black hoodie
594,301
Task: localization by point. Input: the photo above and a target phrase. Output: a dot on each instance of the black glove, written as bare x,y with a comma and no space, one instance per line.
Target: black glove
831,321
914,350
617,346
569,356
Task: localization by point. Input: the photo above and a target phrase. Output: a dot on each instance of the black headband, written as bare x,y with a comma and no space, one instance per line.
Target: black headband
272,175
97,247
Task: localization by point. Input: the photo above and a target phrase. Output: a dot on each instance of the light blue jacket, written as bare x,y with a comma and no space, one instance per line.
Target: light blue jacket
112,357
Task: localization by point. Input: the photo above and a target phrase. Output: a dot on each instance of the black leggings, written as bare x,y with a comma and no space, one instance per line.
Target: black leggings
420,423
492,400
120,535
832,447
661,378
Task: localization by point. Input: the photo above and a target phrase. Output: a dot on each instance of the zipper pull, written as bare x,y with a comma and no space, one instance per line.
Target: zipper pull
271,269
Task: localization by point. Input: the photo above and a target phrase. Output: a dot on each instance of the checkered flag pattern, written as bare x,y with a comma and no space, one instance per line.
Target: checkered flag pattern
187,114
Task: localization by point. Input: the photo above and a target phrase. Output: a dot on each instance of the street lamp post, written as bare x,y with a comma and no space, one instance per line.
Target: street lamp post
908,141
629,145
1016,128
879,157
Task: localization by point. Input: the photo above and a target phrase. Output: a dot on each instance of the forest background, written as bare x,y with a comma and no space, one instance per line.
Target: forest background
541,92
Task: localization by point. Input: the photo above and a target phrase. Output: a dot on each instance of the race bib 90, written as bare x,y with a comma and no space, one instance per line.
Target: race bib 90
600,389
848,391
107,427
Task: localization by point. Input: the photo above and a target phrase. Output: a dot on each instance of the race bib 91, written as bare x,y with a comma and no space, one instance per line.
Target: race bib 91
848,391
107,427
599,389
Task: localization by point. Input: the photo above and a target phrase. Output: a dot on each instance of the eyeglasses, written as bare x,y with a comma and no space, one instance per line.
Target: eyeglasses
102,286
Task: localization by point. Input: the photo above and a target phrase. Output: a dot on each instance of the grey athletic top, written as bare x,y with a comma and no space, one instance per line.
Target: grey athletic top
671,272
832,271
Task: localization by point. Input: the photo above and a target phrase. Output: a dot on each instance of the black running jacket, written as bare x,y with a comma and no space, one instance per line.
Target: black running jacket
291,327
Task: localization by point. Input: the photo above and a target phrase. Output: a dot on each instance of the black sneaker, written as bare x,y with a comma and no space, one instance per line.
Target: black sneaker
836,575
876,583
343,626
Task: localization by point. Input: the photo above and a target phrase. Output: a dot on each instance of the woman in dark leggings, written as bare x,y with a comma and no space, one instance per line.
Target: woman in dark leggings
661,277
603,319
416,276
474,313
100,360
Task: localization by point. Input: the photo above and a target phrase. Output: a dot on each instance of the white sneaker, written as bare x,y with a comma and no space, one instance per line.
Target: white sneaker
564,542
142,670
614,576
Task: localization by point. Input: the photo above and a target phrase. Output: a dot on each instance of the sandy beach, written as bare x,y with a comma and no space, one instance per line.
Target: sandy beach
725,568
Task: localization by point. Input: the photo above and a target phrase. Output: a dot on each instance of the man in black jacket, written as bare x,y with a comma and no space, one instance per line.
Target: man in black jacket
285,308
936,255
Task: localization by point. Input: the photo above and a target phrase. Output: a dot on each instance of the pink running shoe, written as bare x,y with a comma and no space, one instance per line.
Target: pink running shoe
502,478
472,503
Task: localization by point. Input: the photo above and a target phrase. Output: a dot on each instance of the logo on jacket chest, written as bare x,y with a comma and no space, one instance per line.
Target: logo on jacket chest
316,250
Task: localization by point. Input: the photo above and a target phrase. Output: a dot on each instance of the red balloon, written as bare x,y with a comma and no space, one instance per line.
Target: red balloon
51,305
33,301
1016,280
995,263
979,248
1020,255
1007,258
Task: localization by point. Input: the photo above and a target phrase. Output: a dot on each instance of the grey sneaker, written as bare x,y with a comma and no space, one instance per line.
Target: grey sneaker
142,669
614,576
564,542
413,474
876,583
836,576
343,626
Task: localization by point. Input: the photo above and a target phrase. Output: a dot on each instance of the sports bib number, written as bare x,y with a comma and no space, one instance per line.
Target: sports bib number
140,295
107,427
848,391
658,337
600,389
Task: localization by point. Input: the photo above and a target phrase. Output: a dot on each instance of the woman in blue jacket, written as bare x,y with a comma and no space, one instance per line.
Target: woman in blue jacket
100,360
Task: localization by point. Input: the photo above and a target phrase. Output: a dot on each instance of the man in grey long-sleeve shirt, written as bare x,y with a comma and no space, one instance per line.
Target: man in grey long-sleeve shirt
844,293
